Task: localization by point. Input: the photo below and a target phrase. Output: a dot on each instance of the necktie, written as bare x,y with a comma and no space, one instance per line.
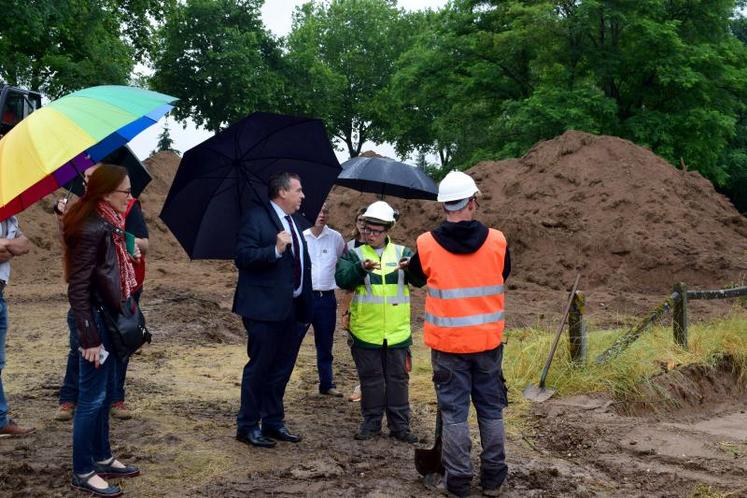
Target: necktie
296,255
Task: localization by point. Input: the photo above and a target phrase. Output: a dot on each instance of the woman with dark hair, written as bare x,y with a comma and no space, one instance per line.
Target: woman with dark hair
99,272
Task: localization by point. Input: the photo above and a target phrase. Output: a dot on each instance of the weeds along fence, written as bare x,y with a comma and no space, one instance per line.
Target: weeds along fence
677,302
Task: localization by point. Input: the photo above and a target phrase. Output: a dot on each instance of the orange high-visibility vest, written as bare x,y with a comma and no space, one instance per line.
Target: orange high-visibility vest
464,300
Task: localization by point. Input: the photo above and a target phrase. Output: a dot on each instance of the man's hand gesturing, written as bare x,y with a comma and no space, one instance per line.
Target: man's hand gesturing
282,241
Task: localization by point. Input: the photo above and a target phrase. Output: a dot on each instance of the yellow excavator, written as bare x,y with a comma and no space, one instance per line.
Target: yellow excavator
15,104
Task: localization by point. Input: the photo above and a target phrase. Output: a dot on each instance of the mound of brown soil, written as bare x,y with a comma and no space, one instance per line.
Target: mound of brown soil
601,205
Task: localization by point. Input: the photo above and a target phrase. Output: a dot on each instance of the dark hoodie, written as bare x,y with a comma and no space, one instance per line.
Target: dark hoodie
464,237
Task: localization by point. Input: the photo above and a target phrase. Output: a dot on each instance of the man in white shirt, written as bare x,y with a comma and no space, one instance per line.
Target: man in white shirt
325,246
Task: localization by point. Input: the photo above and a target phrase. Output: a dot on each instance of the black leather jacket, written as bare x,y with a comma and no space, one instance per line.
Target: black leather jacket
94,276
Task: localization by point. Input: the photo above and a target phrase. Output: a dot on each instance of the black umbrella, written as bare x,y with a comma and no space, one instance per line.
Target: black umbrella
384,176
139,176
219,179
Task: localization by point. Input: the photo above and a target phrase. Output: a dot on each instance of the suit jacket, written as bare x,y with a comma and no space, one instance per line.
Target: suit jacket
265,287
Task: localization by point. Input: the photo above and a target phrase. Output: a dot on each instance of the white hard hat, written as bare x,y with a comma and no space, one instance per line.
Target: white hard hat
456,186
380,211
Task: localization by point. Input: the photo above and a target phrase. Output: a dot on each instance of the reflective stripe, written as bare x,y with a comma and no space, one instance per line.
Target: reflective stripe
398,300
367,299
493,290
463,321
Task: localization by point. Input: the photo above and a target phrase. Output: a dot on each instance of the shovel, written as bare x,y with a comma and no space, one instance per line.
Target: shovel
428,461
540,393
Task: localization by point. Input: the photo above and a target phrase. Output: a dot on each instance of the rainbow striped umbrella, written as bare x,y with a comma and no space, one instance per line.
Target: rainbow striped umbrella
57,142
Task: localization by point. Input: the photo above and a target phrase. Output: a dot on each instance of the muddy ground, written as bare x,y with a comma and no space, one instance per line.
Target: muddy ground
184,392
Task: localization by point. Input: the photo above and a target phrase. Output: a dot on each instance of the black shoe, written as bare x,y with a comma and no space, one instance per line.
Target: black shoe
83,483
107,470
404,436
366,434
255,438
281,434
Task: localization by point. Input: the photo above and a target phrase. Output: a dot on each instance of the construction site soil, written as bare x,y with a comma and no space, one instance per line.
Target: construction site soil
629,222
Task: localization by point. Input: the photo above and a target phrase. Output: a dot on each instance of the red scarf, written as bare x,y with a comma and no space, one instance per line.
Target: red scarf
126,270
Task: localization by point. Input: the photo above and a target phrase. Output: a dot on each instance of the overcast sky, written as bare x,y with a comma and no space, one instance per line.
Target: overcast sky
277,16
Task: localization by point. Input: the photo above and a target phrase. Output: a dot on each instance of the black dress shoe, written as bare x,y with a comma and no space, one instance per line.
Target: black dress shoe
281,434
255,438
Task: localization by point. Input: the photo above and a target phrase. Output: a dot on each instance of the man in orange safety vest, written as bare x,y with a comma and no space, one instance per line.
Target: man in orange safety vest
466,265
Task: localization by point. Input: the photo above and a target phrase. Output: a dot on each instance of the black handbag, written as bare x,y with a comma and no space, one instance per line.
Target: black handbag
126,328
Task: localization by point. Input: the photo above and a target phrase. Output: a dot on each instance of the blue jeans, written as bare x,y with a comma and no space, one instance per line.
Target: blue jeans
3,333
69,389
91,422
324,319
458,377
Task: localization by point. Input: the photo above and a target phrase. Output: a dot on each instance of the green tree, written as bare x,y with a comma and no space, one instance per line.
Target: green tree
341,57
165,142
57,46
667,74
217,57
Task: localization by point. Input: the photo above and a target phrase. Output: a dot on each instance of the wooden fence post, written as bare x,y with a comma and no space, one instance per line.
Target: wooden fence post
578,341
679,315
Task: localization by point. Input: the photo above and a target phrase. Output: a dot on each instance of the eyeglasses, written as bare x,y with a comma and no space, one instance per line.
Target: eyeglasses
372,231
127,191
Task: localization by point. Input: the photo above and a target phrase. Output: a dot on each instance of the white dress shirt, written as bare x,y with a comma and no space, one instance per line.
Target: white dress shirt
324,251
282,214
8,230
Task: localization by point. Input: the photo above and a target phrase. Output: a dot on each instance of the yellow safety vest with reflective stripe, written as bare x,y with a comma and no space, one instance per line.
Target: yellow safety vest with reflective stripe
380,309
464,301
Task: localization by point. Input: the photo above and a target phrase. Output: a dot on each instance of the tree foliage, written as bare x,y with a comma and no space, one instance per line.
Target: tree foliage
491,78
165,142
217,57
57,46
341,57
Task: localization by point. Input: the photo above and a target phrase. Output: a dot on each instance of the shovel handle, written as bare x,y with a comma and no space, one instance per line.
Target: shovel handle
439,423
560,331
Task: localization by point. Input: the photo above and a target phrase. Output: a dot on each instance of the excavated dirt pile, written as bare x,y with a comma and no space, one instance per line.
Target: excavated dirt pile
624,217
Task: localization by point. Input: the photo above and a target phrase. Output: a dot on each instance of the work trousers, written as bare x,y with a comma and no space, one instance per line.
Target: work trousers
384,387
457,378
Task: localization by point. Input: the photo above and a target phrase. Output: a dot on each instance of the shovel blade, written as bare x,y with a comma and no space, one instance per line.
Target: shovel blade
428,461
537,393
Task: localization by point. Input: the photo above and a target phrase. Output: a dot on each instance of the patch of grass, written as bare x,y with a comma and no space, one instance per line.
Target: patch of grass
655,351
731,448
706,491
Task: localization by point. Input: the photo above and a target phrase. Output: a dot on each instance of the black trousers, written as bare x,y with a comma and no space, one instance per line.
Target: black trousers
272,349
384,387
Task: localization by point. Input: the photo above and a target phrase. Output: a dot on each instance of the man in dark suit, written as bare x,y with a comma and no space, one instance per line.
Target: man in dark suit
273,295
